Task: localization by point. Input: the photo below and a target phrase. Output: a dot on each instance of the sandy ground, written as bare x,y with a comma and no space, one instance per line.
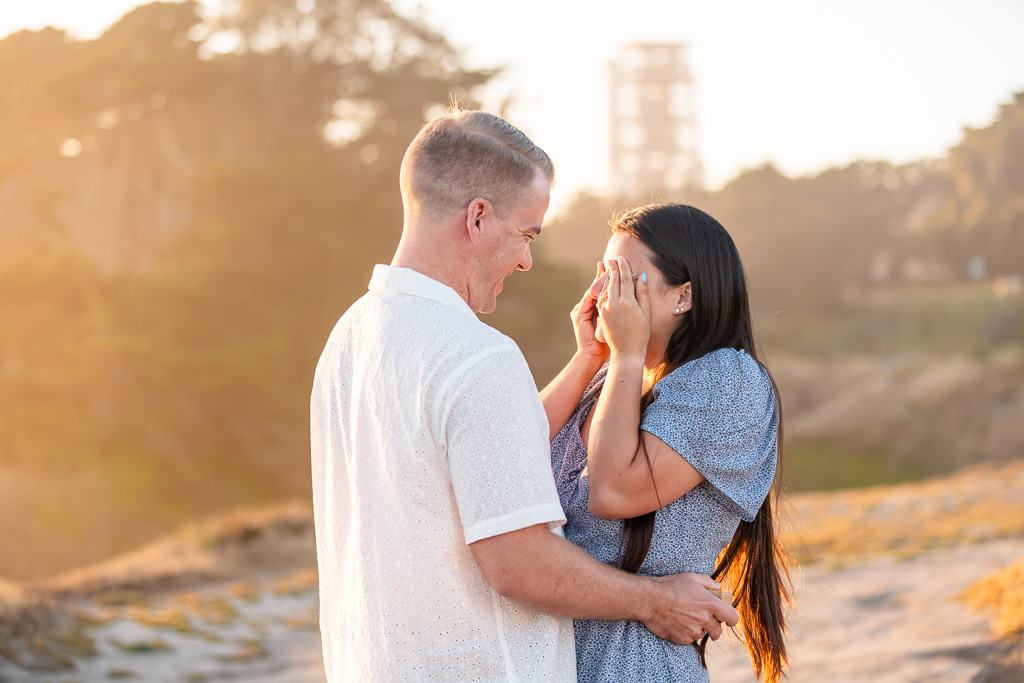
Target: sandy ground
256,631
885,620
235,598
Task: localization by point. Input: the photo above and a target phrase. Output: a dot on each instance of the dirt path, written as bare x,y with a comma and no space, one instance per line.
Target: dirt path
886,620
253,631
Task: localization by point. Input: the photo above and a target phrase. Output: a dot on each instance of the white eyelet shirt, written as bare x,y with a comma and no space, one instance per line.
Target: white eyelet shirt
427,434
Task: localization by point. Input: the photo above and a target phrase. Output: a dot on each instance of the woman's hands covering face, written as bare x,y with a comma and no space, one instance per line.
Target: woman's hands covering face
584,318
624,309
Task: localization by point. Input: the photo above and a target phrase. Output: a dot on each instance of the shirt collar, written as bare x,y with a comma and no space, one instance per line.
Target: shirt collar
407,281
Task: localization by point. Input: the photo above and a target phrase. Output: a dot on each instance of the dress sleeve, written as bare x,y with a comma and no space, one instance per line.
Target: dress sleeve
496,438
719,413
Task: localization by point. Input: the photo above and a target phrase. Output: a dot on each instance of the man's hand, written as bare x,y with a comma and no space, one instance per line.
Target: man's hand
683,608
537,568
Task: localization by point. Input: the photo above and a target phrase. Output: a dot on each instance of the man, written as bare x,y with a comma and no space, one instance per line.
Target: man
436,513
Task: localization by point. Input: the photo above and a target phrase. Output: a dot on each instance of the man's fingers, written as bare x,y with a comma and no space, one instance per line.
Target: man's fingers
714,629
725,612
706,581
679,639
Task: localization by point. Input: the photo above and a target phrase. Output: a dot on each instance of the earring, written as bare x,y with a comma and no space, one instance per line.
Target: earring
678,311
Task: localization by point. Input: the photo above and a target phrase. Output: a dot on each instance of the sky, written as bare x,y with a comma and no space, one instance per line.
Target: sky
804,85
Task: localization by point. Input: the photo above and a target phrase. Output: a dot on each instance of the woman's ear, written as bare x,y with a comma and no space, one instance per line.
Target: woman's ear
684,298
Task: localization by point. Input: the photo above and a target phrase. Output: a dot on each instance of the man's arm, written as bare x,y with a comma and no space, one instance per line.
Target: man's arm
538,568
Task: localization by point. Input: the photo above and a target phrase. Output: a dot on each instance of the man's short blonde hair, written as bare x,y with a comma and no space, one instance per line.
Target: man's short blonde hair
467,154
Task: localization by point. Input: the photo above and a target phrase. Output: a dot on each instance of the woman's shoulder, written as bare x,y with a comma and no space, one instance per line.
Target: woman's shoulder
719,413
720,374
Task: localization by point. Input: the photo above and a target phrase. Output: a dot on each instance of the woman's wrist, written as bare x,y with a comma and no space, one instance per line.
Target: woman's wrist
627,361
590,362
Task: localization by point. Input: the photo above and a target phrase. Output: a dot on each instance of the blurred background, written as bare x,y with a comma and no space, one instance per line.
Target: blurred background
191,193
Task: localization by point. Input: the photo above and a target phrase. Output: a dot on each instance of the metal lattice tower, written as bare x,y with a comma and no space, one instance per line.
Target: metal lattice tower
653,132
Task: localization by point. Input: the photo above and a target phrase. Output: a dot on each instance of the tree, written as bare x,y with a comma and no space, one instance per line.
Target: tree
982,213
172,275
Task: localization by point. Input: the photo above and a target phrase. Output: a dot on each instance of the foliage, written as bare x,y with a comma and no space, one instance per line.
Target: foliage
1003,593
871,257
189,203
167,288
976,505
981,211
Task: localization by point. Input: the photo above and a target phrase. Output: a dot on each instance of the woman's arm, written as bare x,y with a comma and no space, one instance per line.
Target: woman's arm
622,480
561,396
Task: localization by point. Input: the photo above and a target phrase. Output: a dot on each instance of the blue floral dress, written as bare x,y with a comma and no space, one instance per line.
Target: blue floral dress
719,413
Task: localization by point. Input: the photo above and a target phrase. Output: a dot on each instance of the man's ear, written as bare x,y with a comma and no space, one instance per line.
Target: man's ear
478,217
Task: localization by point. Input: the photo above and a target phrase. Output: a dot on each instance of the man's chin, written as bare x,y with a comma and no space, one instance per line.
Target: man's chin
492,301
489,305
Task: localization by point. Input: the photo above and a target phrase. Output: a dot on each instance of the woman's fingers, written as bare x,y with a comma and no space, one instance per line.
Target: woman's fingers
595,290
586,305
643,295
626,278
615,281
600,280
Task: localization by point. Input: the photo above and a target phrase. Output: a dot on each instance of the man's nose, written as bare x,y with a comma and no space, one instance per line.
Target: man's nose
527,261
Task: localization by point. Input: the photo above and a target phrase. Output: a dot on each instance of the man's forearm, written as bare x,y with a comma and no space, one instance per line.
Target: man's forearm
540,569
543,570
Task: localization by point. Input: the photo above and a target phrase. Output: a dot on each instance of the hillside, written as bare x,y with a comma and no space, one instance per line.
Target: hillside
855,422
860,420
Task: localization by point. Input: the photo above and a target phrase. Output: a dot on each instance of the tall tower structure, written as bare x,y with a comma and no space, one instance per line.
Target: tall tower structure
653,132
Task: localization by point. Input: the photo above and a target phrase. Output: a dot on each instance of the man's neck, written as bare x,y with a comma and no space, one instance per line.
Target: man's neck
430,262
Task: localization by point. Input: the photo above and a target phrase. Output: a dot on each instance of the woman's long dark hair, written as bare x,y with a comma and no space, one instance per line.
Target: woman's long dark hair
688,245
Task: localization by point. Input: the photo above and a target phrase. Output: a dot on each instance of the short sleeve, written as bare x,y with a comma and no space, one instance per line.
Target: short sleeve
496,435
719,413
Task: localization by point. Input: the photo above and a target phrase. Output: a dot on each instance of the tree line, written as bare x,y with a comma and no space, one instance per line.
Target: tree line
188,203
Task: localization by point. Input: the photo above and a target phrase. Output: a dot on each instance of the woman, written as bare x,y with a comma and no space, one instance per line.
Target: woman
665,455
